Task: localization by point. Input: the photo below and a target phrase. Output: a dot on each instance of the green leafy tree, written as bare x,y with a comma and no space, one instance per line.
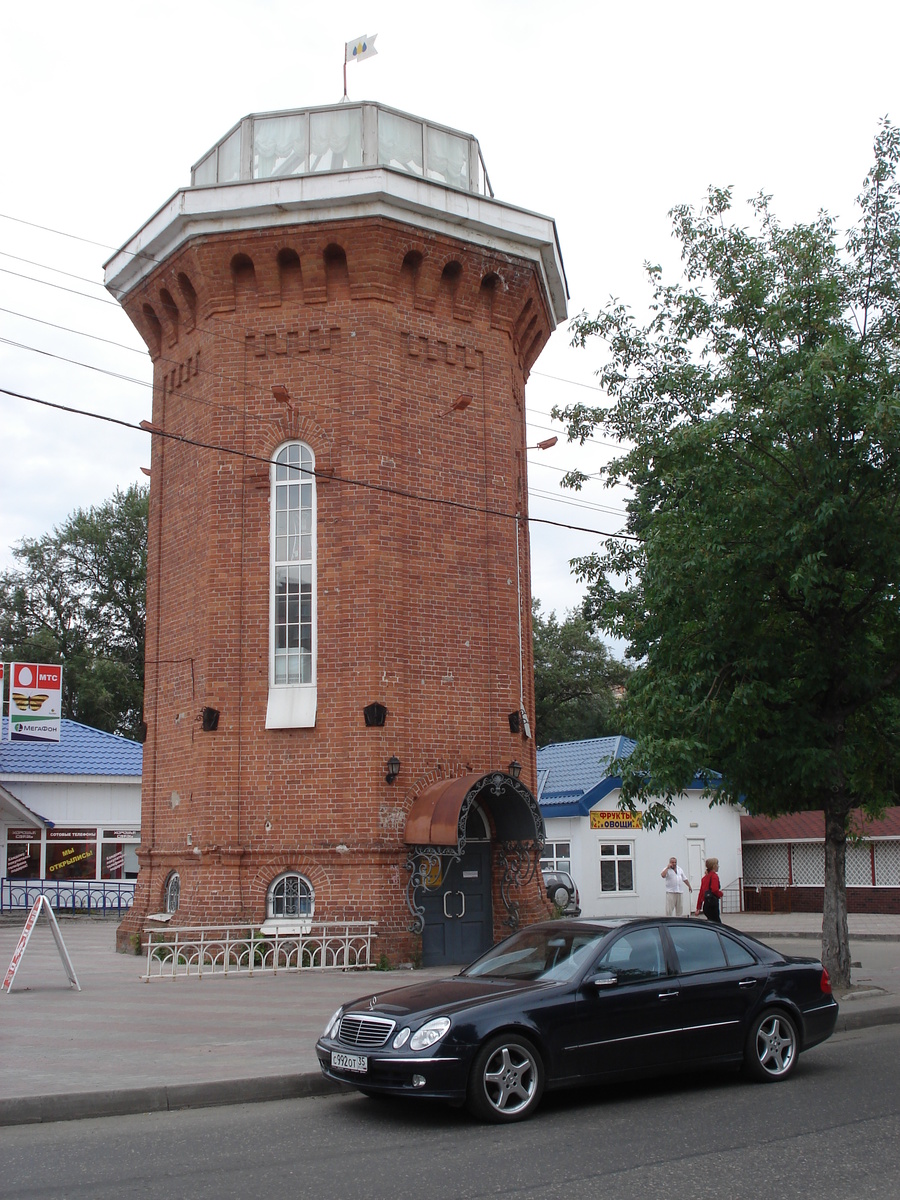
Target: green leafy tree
576,679
758,582
77,598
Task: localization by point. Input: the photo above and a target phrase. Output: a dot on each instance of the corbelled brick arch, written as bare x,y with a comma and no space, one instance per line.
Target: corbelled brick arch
338,480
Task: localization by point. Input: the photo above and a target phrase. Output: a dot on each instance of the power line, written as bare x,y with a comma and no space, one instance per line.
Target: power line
201,370
575,503
151,258
62,233
46,267
326,476
59,287
203,332
75,363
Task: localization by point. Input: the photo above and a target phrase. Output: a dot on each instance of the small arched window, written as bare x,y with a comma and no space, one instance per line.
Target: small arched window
290,898
172,891
292,670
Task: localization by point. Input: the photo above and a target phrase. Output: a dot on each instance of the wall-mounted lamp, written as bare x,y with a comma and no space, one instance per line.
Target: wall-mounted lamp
544,445
393,769
458,405
515,769
150,427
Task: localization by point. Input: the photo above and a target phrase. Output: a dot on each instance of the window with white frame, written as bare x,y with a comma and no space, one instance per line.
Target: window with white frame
290,898
293,565
292,679
557,856
616,866
172,892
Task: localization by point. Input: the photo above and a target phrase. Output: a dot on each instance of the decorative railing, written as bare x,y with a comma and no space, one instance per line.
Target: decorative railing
72,895
251,950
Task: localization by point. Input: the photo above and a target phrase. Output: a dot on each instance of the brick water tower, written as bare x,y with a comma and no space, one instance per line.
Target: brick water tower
339,683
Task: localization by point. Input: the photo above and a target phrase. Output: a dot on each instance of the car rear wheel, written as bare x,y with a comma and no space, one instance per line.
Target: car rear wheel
772,1047
507,1079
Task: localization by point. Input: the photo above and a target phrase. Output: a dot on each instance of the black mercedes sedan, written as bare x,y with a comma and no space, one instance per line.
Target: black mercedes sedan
570,1002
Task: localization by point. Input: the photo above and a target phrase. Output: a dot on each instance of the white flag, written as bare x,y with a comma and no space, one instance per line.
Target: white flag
360,48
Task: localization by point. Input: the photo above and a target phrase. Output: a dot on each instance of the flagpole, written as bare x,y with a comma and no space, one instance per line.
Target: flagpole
345,72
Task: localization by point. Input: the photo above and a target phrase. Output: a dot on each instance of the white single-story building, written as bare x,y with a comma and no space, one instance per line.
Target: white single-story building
615,863
70,819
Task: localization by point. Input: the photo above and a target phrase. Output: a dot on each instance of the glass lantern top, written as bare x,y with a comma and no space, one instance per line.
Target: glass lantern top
343,137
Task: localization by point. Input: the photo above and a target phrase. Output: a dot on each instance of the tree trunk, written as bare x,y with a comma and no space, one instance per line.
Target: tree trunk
835,934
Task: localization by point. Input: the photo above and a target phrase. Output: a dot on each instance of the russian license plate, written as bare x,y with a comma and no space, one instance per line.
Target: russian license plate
349,1062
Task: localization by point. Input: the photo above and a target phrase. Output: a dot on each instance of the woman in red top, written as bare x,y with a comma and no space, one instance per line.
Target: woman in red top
710,892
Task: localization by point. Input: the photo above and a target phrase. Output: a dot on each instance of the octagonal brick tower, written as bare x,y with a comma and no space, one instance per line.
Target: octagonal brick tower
341,319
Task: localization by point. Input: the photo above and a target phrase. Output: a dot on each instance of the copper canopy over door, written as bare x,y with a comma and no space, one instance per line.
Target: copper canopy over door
449,833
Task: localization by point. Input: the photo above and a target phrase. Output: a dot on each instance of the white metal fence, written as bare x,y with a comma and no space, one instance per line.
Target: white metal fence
90,895
248,950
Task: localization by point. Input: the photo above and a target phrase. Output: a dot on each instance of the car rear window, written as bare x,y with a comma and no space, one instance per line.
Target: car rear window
737,955
698,947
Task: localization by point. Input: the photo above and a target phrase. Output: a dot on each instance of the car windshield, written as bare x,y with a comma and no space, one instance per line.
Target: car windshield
549,955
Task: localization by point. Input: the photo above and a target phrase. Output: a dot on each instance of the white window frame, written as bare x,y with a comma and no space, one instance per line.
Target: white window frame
172,892
290,923
551,859
616,858
292,704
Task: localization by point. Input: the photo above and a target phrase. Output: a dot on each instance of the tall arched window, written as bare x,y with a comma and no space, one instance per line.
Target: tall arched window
292,618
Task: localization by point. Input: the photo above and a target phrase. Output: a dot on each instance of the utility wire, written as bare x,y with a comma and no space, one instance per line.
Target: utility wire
151,258
579,503
175,362
325,476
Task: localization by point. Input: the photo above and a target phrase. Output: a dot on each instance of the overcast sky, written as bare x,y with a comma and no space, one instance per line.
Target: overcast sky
600,115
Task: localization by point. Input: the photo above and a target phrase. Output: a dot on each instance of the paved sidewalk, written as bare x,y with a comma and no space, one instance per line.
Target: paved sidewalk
123,1046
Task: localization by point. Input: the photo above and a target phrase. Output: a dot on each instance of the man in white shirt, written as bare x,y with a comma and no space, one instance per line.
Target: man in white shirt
675,883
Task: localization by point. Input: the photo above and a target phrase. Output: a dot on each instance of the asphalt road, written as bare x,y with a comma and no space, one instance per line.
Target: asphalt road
831,1131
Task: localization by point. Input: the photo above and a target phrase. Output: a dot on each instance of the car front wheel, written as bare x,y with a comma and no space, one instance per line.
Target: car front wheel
772,1047
507,1079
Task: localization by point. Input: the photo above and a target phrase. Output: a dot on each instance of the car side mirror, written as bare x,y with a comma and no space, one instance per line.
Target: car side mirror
604,979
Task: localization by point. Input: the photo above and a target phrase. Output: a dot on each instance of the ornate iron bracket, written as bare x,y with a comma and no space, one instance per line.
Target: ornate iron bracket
426,863
518,861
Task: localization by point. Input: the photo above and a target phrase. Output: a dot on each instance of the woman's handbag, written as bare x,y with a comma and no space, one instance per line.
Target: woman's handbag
711,907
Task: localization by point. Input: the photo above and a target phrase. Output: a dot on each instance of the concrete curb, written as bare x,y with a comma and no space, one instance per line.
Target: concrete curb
76,1106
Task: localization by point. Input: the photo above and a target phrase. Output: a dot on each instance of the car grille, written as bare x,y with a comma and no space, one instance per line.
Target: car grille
357,1030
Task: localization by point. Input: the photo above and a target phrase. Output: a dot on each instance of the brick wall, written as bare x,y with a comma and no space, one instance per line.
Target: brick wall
811,899
376,329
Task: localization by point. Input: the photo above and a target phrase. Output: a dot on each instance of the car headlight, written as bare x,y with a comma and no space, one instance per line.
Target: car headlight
402,1038
431,1032
331,1027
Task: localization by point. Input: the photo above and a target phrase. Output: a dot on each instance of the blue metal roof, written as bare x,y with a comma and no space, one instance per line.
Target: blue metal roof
80,750
574,774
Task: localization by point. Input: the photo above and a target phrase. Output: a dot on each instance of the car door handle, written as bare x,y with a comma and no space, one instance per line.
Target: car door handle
667,995
748,983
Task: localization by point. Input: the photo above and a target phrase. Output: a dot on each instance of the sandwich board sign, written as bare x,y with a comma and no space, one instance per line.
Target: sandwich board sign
41,902
35,701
